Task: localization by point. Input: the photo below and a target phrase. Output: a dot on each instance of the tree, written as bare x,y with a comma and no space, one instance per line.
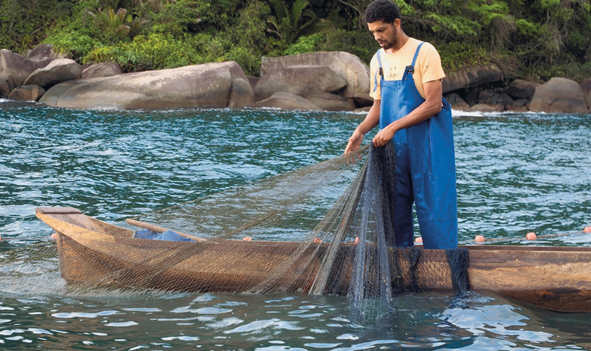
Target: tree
288,24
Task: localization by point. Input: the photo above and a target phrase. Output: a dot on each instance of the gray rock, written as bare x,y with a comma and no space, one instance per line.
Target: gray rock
6,85
489,97
253,81
104,69
348,66
16,66
299,80
456,102
586,88
559,95
26,93
488,108
241,94
331,102
207,85
287,101
42,55
470,79
521,89
519,103
57,71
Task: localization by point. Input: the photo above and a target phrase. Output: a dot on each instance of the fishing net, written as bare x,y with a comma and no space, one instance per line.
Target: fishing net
321,229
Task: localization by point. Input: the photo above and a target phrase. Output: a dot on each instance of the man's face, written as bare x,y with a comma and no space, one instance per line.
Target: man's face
384,33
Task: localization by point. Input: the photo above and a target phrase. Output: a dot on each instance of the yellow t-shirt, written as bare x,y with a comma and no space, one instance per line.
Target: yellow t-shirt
427,67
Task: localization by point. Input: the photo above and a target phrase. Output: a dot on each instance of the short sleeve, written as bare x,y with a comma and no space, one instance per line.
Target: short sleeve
374,79
430,64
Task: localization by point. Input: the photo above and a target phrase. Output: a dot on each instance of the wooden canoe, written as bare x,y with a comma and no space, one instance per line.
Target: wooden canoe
100,254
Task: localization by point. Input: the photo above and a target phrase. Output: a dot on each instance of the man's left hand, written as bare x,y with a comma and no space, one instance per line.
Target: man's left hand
384,136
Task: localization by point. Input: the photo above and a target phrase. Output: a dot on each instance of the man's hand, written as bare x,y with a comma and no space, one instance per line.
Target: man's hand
384,136
354,141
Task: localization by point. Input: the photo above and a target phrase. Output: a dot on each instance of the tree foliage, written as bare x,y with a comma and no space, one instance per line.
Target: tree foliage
528,37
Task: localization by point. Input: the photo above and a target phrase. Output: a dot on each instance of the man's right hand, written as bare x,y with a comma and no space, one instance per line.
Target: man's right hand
354,141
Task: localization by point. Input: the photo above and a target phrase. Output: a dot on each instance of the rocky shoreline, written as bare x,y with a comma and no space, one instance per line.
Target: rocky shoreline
320,81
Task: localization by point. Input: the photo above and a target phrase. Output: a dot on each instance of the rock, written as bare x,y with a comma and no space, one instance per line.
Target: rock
253,81
42,55
16,66
287,101
473,78
519,103
489,97
104,69
331,102
42,52
6,85
27,93
346,65
57,91
586,88
241,94
559,95
521,89
56,72
488,108
299,80
456,102
207,85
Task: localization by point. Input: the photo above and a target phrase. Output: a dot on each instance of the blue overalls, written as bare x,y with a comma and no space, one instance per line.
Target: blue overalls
426,171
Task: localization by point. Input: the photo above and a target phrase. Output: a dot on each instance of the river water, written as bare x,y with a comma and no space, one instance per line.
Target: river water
516,173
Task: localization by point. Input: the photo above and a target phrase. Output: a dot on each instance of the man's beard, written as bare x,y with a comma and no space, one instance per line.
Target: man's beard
387,44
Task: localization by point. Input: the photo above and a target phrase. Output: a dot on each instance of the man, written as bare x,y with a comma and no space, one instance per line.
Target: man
406,84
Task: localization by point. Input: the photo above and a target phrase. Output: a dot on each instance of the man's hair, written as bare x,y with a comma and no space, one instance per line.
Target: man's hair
382,10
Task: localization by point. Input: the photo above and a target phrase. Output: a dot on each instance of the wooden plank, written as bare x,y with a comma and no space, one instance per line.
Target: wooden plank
58,210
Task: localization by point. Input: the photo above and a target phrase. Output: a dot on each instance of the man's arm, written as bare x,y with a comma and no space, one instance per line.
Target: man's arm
432,106
371,120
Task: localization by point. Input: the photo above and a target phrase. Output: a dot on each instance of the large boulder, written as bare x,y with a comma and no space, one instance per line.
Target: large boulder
348,66
26,93
287,101
207,85
241,94
16,66
56,72
103,69
586,88
559,95
473,78
42,55
299,80
521,89
6,85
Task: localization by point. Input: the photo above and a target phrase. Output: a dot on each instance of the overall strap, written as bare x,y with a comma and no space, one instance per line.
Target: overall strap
411,69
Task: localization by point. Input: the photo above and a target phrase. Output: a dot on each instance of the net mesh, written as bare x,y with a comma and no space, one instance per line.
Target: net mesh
322,229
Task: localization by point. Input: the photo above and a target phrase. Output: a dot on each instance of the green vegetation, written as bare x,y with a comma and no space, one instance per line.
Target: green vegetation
527,38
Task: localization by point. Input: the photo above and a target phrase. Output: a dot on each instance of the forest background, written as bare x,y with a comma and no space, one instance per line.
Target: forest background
529,39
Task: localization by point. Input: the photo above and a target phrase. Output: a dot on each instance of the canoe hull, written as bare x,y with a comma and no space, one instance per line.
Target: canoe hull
95,253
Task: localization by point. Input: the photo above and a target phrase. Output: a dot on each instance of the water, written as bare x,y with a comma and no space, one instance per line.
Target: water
516,173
